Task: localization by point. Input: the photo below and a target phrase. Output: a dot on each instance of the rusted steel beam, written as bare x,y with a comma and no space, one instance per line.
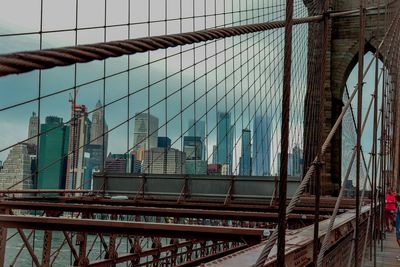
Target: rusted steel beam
201,232
166,249
12,264
112,253
212,257
70,245
134,210
25,240
43,191
3,241
327,203
46,250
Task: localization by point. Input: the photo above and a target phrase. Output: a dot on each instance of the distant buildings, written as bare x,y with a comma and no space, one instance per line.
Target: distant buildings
245,156
96,137
17,169
196,167
95,156
122,163
53,150
226,169
295,162
163,142
135,165
164,161
145,135
224,139
214,169
198,128
33,129
349,189
79,138
261,160
214,154
117,163
193,147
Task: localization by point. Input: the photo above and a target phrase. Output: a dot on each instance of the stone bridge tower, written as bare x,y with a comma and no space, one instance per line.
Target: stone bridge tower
342,56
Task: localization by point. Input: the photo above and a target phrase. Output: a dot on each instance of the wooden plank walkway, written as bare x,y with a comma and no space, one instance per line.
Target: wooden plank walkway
388,256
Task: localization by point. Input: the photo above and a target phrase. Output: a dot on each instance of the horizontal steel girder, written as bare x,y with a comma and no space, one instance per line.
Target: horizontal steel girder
152,211
147,229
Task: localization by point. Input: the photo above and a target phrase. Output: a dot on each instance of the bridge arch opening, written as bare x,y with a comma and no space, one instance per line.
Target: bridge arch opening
349,134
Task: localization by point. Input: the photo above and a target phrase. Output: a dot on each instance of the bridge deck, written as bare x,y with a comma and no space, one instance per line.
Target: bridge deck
387,257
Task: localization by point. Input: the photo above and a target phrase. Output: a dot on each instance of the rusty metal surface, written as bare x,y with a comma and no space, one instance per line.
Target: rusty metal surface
153,211
250,235
305,204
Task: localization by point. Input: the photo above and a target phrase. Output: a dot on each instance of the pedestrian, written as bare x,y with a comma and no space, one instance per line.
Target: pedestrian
398,221
390,208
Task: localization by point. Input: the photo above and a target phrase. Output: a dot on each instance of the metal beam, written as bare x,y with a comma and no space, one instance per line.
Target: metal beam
153,211
201,232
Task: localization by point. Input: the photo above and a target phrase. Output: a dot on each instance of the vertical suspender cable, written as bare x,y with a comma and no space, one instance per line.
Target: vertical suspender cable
317,184
285,137
359,118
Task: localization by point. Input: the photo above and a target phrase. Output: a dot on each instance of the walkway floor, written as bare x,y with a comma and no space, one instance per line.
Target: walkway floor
388,256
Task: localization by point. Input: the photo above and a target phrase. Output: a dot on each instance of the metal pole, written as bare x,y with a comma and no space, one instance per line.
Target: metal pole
375,150
374,161
285,133
382,172
359,122
317,184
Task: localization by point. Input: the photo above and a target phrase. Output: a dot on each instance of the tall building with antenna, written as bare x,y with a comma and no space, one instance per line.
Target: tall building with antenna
33,129
145,135
78,140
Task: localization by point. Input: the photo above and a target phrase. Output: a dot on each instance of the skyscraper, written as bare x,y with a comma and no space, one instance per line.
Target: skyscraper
163,142
96,135
96,130
17,170
297,160
145,135
214,154
196,167
117,163
224,139
53,148
261,160
245,158
79,131
198,128
164,161
33,129
192,146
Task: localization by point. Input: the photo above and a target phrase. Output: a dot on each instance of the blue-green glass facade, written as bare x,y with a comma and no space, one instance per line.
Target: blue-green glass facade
53,148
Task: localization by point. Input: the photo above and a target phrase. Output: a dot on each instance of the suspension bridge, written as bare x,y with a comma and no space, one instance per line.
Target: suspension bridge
198,132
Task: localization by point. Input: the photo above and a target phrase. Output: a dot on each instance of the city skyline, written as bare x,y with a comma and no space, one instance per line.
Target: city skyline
95,150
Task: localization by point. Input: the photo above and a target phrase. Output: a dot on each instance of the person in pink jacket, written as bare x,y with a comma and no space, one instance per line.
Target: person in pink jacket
390,208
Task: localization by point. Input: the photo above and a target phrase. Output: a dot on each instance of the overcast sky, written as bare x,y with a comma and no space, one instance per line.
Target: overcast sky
23,16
